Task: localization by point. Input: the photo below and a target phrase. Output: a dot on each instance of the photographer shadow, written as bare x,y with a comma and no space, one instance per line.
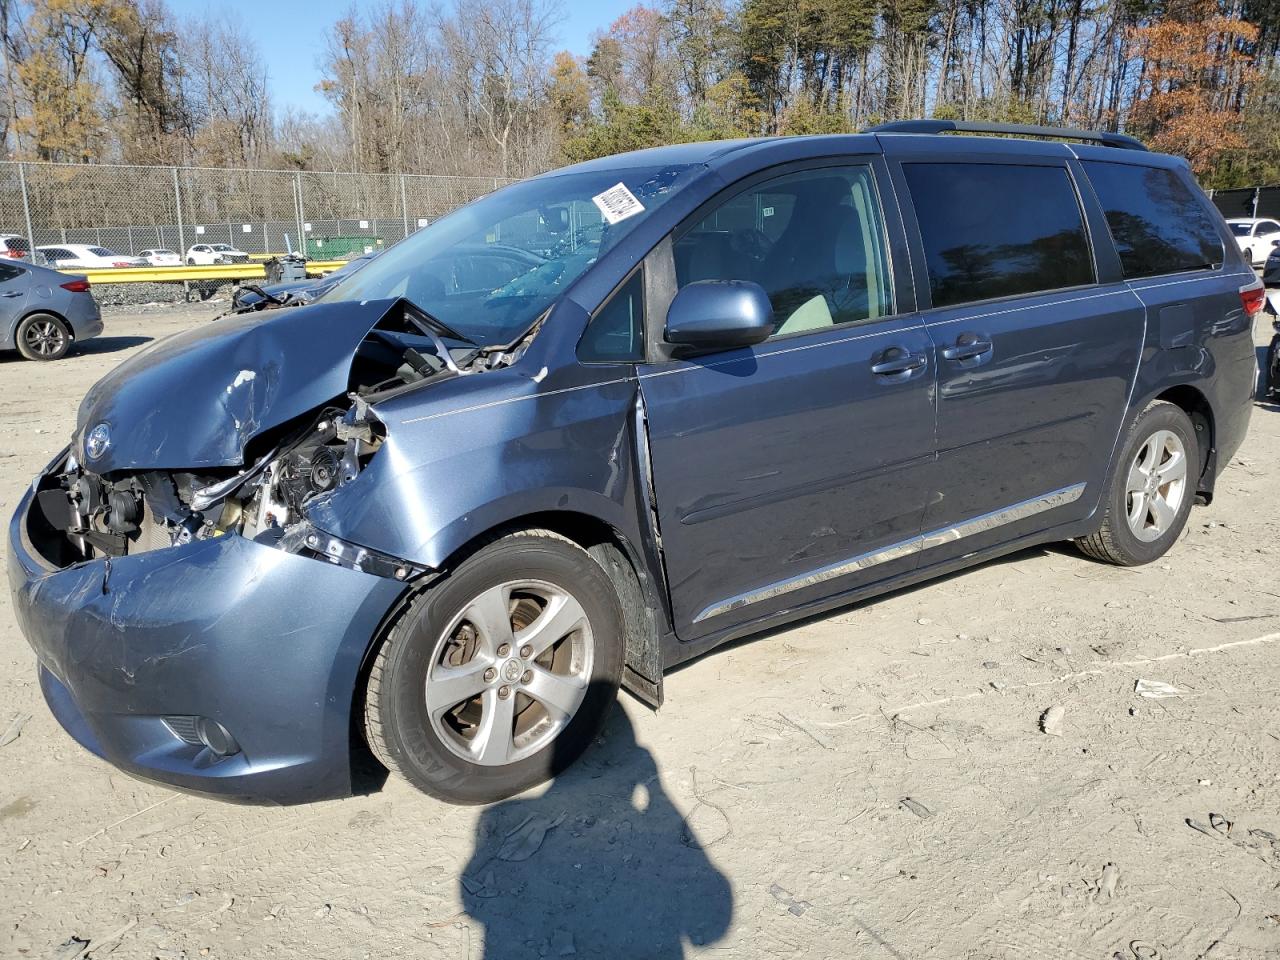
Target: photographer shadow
600,865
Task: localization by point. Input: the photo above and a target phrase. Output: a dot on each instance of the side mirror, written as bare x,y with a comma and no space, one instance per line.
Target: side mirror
719,314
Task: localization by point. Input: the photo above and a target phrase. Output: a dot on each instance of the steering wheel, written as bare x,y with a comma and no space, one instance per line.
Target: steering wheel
752,244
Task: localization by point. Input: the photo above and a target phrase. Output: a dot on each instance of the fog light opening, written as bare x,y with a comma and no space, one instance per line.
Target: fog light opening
216,737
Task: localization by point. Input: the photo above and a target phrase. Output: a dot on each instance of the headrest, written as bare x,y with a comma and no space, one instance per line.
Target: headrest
850,250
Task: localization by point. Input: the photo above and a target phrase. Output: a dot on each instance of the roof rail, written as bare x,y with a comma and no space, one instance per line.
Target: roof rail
1021,129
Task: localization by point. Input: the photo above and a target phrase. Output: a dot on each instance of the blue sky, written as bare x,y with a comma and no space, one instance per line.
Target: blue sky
291,37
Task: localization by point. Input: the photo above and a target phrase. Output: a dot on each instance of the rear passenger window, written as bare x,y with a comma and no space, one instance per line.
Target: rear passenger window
1158,225
616,333
813,240
998,230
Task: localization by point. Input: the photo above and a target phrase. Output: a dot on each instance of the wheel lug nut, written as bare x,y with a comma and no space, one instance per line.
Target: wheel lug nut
504,649
490,675
503,692
526,652
527,677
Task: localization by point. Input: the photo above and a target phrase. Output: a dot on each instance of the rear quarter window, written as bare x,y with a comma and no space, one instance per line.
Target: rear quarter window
998,230
1158,224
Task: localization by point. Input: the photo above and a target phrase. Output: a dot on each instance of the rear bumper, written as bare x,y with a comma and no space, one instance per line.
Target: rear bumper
85,317
266,643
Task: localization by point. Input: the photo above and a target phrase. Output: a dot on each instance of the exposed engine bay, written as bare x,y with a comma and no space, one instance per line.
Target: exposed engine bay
84,515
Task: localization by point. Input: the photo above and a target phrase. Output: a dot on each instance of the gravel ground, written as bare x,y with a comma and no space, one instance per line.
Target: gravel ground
874,783
143,295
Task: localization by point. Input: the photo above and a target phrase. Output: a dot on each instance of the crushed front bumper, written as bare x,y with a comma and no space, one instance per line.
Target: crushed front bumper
266,643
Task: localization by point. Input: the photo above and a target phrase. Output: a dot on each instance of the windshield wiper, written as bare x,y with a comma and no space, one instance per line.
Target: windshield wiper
423,319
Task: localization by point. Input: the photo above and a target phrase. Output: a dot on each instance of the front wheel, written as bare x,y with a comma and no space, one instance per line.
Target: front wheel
1150,492
498,677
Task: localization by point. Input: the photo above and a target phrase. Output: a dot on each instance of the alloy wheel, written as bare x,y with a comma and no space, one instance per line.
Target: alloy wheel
1156,486
45,338
509,672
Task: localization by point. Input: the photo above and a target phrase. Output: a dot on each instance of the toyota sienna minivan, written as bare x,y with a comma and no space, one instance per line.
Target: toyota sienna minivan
680,396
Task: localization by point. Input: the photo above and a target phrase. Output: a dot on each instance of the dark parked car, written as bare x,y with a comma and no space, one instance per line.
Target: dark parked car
1271,269
748,382
43,312
251,296
468,269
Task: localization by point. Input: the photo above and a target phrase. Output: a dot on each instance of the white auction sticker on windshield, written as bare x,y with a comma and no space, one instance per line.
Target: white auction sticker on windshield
617,203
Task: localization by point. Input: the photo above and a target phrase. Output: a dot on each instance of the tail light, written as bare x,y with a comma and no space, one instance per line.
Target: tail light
76,286
1253,298
15,254
122,263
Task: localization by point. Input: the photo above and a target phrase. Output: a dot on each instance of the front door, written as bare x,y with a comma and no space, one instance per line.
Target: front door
799,468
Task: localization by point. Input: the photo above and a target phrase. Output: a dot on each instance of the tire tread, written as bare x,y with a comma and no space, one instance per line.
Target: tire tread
374,730
1102,544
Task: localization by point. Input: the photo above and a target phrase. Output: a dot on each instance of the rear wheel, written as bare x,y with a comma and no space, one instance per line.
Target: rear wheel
42,336
498,677
1151,491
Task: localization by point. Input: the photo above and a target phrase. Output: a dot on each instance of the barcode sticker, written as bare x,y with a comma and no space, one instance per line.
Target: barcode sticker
617,203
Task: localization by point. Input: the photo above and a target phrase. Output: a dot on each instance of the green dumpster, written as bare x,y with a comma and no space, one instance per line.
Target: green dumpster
335,248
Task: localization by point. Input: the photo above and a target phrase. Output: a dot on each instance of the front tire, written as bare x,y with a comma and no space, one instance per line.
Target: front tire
498,677
42,336
1151,491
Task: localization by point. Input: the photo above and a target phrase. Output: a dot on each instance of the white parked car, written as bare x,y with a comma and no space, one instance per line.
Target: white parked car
207,253
1256,236
161,258
83,256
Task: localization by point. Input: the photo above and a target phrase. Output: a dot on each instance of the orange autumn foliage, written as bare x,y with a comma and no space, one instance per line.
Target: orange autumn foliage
1192,62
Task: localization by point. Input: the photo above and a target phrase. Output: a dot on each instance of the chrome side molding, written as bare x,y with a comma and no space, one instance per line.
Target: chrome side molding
896,551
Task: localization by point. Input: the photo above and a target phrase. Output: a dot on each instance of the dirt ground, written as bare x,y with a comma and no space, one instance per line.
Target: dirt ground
872,784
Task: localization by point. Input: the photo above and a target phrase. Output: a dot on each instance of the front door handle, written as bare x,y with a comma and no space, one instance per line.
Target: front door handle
968,346
897,361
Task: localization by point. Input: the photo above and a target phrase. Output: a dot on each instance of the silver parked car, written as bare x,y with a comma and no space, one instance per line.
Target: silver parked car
43,312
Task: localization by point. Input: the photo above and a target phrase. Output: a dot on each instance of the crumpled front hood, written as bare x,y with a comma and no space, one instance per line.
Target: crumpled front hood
195,399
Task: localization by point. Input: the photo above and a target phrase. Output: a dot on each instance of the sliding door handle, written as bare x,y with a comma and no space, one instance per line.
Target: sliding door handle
967,347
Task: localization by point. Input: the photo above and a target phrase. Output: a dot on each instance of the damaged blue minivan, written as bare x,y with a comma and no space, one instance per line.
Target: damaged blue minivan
600,421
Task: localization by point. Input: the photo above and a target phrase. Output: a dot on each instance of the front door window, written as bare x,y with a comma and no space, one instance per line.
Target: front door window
812,239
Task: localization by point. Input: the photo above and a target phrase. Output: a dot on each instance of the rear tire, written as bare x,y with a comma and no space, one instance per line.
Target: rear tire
498,677
1271,375
1151,490
42,336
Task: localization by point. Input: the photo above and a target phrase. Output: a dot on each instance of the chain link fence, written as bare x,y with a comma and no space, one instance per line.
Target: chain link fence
128,209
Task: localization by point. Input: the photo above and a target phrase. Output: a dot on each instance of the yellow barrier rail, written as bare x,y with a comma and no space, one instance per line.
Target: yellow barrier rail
215,271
